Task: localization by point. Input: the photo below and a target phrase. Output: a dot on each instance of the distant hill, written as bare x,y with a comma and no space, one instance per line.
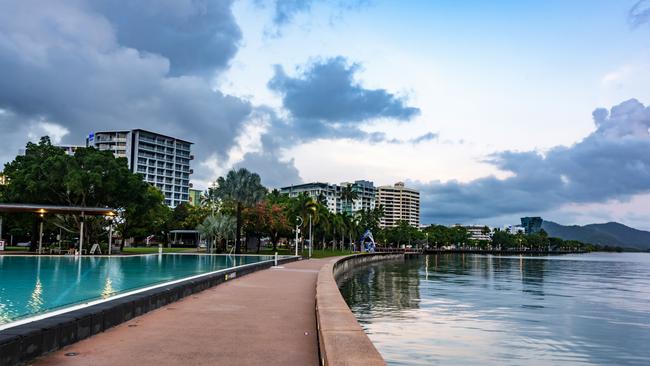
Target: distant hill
611,233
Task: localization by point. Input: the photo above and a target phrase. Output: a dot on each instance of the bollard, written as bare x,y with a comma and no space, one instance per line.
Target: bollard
276,259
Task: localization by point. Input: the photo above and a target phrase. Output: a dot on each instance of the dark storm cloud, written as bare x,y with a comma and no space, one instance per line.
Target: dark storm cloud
67,64
613,162
196,36
327,92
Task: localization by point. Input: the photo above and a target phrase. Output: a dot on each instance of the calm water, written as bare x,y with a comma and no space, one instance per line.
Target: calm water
589,309
31,285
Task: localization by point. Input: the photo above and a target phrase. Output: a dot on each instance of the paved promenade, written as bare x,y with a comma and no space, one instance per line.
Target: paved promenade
265,318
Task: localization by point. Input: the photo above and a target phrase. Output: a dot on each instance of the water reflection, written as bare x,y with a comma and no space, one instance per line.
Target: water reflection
392,286
32,285
36,299
490,310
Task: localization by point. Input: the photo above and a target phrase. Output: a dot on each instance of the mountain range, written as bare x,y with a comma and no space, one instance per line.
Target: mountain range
611,233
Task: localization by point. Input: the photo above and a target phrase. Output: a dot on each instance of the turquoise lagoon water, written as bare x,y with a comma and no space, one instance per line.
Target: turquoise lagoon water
31,285
589,309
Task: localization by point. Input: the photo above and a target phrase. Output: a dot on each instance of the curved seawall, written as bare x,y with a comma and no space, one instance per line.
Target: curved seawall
341,339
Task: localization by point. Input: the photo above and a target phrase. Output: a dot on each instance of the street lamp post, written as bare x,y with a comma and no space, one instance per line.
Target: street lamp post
298,225
311,240
40,233
110,234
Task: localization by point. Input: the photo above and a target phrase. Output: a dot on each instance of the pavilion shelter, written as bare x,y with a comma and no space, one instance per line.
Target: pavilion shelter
42,210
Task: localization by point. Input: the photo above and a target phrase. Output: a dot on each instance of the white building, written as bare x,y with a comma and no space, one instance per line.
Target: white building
316,190
400,204
514,229
69,149
365,190
366,196
476,232
163,161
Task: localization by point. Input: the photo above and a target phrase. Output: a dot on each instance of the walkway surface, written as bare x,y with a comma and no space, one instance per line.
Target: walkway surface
264,318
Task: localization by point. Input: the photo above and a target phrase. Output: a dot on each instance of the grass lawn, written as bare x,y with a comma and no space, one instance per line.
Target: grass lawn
17,249
324,253
149,250
317,253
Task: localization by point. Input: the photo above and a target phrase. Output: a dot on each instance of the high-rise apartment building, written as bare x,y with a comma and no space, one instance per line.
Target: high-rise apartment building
400,204
163,161
532,225
315,190
366,196
365,191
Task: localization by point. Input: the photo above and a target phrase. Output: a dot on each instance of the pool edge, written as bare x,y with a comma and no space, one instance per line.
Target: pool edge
24,342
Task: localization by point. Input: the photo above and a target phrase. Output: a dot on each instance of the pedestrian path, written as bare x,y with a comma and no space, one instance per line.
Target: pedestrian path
265,318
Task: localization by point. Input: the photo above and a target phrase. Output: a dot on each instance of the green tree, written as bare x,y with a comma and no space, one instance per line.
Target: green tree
216,229
46,175
348,195
242,189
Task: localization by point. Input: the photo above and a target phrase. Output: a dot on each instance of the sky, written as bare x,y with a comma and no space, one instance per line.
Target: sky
493,110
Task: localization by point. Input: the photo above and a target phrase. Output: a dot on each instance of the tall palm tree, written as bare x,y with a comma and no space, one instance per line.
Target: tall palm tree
305,207
243,189
348,195
338,227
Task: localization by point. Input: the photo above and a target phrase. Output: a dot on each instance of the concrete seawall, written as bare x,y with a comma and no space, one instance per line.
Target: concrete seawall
341,339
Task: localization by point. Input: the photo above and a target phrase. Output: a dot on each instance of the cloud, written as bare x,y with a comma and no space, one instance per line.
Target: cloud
196,36
327,91
639,13
429,136
612,163
275,172
324,101
284,11
80,66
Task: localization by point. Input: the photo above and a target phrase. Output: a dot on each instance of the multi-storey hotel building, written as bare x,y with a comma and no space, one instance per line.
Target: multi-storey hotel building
316,190
365,191
163,161
400,204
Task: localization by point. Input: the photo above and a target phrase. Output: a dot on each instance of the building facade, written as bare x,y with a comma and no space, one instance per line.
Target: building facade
514,229
195,197
532,225
366,196
330,192
163,161
69,149
400,204
478,232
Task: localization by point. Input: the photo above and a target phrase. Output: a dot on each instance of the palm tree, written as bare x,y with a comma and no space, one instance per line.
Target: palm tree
348,195
243,189
305,207
217,227
337,226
